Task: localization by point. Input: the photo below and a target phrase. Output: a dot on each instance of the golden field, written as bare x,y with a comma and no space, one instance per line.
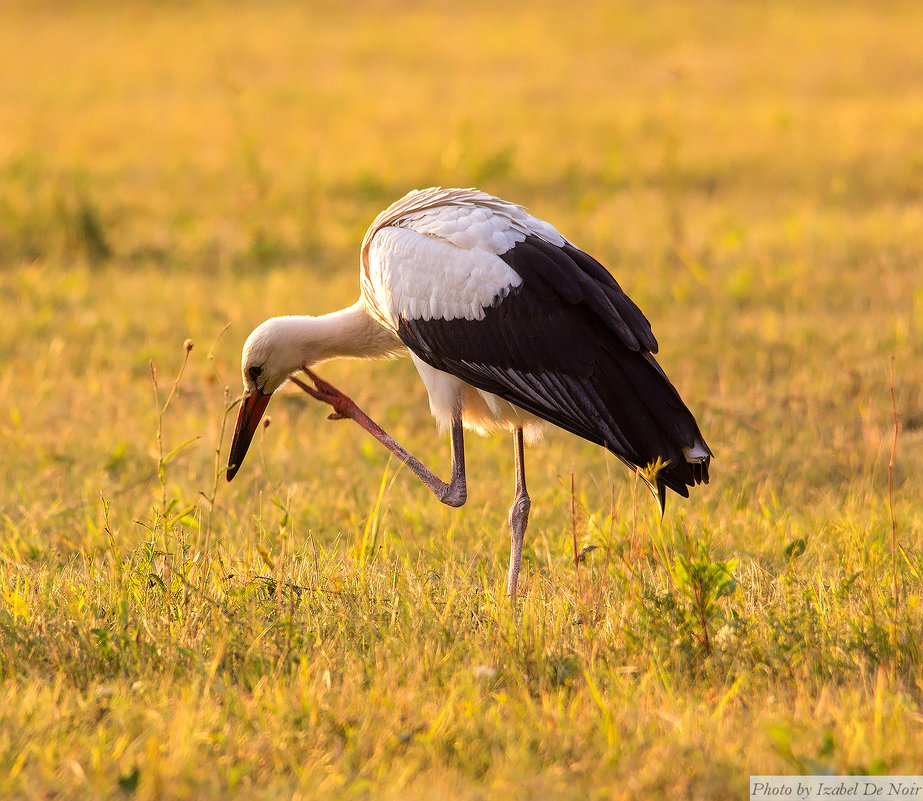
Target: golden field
322,627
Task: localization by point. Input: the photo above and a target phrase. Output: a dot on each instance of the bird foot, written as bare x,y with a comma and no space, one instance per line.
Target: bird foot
327,393
345,407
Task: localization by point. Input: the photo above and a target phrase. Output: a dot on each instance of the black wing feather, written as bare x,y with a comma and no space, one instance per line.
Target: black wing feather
569,346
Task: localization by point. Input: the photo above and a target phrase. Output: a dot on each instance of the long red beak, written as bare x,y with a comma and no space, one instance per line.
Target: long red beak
252,406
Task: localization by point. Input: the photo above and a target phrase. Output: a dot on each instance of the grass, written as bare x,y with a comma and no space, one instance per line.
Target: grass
322,626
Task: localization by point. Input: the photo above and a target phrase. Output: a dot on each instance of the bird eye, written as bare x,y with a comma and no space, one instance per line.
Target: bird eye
255,371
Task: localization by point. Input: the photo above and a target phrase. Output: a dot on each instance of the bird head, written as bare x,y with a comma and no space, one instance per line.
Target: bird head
271,353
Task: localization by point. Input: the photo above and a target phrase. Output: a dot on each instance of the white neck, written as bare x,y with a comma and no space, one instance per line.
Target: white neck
348,333
283,345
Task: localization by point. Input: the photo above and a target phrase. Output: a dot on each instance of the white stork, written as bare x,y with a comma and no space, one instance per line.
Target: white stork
509,325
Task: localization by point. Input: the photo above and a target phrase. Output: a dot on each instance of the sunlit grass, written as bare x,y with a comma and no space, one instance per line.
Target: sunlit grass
322,626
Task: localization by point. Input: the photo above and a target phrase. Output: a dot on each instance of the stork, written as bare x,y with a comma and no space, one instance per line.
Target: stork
509,325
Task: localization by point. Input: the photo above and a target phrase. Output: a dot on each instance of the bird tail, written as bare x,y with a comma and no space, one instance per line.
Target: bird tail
658,478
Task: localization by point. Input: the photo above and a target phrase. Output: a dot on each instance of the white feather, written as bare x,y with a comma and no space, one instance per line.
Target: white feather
434,254
421,276
482,412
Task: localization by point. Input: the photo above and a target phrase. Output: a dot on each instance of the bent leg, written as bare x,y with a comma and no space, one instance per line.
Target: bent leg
454,493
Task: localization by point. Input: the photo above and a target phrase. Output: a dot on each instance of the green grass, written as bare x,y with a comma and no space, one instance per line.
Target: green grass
322,627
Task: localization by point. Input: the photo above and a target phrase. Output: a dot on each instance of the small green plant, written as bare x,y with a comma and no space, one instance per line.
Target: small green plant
703,583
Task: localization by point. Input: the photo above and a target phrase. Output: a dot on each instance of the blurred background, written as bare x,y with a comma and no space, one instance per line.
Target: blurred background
750,172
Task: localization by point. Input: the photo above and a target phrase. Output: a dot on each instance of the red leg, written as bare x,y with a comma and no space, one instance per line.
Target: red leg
453,494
